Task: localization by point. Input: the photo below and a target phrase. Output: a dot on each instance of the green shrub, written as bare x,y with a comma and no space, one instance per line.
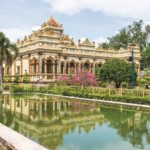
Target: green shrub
16,78
125,84
26,78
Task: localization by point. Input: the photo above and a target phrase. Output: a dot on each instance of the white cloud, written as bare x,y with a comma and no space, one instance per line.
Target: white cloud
123,8
14,33
34,28
20,0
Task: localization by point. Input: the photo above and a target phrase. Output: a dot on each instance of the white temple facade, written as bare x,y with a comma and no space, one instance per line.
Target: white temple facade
48,53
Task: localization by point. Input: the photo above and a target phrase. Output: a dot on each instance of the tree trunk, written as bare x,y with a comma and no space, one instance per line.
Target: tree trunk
1,76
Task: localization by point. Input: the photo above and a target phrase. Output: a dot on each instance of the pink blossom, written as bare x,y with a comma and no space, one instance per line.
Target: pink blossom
84,78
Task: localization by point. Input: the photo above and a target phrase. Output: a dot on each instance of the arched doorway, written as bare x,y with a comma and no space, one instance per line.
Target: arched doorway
33,65
50,66
62,68
43,66
72,67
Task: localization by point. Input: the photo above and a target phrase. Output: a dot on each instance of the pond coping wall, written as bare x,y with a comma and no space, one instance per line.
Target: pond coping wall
12,140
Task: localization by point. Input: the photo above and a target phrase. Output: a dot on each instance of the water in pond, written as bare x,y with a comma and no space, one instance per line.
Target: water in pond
64,124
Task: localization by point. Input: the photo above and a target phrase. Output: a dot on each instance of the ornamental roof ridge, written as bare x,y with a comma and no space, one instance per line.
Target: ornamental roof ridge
87,42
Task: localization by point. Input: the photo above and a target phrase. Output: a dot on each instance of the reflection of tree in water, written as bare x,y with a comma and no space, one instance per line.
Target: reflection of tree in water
131,125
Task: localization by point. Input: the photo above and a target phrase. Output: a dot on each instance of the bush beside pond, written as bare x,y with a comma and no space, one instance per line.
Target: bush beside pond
129,96
118,98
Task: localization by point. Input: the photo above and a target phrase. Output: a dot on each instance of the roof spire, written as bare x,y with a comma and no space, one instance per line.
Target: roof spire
53,22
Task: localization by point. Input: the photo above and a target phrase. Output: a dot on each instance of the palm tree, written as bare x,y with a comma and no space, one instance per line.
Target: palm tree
8,53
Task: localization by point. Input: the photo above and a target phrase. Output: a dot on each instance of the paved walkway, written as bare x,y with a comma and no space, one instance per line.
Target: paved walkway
17,140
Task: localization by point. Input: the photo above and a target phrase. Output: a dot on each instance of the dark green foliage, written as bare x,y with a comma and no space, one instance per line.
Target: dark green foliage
116,70
146,58
104,45
16,78
120,40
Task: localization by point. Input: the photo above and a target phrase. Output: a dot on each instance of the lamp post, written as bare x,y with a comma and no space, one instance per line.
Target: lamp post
133,69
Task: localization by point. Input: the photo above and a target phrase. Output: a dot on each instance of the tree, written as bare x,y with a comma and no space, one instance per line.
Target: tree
8,53
146,58
120,40
104,45
116,70
136,33
84,78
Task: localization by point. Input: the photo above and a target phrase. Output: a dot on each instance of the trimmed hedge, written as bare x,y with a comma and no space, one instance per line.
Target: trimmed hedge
83,93
118,98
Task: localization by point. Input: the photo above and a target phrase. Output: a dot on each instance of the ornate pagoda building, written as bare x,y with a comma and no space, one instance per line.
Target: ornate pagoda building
48,53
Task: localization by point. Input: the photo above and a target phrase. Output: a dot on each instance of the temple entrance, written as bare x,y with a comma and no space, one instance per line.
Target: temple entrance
50,66
72,68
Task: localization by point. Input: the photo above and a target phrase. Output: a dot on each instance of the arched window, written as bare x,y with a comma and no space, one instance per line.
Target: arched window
33,64
86,66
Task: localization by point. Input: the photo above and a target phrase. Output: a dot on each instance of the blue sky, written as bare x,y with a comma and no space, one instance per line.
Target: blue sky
95,19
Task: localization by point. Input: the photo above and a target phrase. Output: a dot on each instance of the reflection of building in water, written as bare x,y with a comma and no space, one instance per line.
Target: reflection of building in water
35,109
48,120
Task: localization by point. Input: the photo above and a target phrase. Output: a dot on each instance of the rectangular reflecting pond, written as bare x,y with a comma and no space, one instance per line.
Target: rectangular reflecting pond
69,124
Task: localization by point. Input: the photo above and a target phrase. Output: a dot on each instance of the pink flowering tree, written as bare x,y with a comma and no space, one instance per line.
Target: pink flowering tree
84,78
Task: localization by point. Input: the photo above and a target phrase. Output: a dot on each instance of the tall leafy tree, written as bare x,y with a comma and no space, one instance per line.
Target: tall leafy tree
120,40
116,70
137,33
8,53
146,58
